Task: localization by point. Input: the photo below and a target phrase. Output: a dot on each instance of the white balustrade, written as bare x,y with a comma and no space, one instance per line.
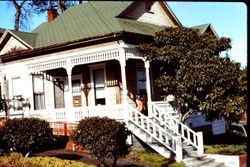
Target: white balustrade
116,111
153,129
164,114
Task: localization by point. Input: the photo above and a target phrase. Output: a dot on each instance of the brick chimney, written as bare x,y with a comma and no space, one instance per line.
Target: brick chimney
52,14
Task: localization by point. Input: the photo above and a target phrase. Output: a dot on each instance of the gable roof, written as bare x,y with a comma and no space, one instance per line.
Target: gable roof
90,19
205,28
27,39
147,9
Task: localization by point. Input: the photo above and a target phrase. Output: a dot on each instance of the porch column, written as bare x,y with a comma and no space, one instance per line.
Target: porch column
69,108
123,71
148,87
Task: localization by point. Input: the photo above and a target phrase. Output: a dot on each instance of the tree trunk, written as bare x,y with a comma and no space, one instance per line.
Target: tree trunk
115,161
18,13
61,6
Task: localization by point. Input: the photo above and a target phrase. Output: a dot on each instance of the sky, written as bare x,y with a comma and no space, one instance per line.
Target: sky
229,19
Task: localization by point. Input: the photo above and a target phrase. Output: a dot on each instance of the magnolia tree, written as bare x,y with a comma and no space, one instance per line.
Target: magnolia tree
192,70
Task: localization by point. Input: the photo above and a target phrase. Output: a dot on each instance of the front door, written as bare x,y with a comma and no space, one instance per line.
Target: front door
99,86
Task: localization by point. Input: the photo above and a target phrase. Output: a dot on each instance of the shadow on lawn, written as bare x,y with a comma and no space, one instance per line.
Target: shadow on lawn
68,156
225,138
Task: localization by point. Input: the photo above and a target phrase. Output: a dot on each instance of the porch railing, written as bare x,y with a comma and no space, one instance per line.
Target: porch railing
156,131
75,114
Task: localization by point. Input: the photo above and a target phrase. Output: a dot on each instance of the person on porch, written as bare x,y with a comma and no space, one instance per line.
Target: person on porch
140,104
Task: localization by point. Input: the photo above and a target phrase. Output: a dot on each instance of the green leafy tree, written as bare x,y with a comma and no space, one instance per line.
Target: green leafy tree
191,69
104,137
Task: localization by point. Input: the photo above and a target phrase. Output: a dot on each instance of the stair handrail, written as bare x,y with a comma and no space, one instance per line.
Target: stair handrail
164,104
175,125
140,120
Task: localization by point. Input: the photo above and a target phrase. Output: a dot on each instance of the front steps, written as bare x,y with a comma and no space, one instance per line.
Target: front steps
160,133
146,138
191,159
201,161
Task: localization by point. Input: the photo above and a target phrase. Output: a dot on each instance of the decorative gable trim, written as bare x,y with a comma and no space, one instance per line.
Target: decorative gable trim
145,13
7,35
172,16
22,41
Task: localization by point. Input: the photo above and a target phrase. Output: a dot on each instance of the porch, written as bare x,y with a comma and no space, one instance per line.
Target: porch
78,85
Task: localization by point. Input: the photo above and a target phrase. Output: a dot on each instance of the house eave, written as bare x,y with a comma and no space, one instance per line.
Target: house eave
115,36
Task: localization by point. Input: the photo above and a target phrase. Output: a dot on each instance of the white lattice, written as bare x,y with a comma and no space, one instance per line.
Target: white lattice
47,65
132,54
95,57
74,60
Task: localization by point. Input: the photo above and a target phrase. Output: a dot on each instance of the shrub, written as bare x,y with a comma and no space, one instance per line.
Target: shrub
26,135
17,160
226,149
104,137
1,143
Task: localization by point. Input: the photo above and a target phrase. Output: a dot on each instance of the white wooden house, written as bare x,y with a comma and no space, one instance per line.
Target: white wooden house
84,63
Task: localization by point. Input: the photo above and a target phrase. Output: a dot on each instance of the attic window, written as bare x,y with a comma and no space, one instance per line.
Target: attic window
148,6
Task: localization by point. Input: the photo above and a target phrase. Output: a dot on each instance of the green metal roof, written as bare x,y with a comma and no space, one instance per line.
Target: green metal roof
29,38
90,19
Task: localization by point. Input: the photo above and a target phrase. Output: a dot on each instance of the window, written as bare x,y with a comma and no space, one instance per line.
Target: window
59,93
99,85
76,86
38,91
141,80
16,86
